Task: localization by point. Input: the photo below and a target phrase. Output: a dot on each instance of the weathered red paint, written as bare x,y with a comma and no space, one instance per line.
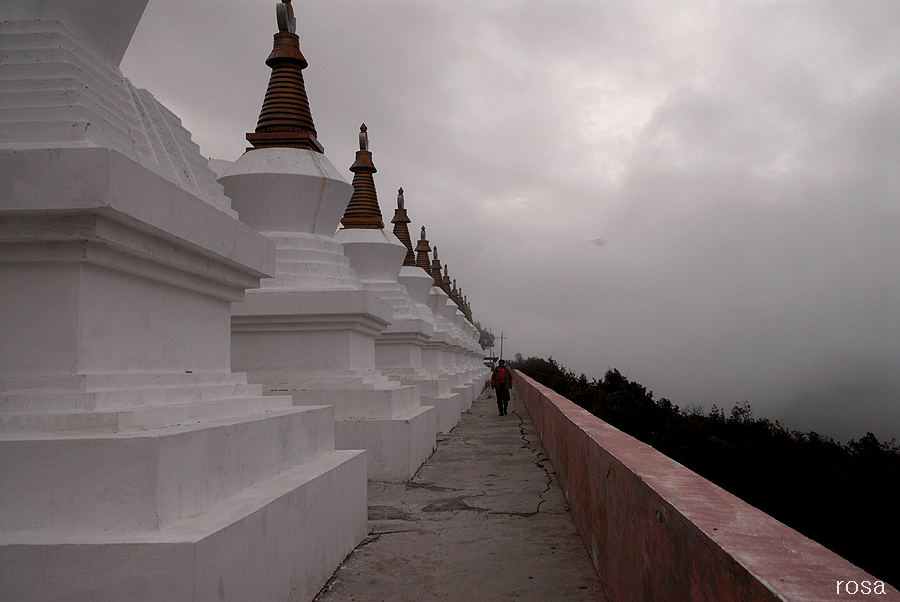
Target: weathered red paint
657,531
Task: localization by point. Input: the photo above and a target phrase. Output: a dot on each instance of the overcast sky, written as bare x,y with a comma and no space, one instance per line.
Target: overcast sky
703,195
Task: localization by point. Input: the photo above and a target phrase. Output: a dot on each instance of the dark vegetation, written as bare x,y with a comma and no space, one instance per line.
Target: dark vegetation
485,337
845,497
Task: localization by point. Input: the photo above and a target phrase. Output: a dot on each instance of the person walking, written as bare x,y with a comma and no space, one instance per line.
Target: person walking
501,381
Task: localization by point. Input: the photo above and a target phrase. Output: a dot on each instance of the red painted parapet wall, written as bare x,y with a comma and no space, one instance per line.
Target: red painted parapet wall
657,531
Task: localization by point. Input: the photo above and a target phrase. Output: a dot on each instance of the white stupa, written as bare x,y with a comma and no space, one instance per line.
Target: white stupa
134,465
378,256
415,275
310,331
460,357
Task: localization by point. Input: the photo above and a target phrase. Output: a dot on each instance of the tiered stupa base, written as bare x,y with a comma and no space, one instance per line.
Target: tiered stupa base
308,344
134,465
125,477
447,404
395,429
258,505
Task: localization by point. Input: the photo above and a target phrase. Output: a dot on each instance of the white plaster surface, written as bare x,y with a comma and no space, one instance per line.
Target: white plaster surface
60,92
110,279
447,410
418,285
311,331
287,190
278,540
134,464
376,254
395,448
290,332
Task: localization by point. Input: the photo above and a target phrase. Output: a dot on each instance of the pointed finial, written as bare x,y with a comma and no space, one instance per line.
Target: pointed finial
363,138
423,234
400,199
284,15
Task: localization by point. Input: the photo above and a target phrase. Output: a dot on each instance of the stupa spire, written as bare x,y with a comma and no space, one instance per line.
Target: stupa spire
401,230
445,281
363,210
285,120
436,269
422,250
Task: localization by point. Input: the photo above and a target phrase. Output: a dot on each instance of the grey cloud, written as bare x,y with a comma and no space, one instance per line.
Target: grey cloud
737,161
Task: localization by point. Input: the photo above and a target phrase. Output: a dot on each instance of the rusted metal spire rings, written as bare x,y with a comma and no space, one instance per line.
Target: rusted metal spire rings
422,249
401,231
285,120
363,210
436,269
445,281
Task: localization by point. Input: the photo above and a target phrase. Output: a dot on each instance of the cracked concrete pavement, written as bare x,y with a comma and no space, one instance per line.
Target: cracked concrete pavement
484,519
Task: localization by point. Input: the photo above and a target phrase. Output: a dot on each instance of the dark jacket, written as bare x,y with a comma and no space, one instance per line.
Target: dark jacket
501,377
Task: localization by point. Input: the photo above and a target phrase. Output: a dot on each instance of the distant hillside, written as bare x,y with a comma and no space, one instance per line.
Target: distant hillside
843,496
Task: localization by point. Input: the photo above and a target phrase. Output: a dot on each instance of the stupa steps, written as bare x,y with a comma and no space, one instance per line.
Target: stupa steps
317,380
115,421
160,477
407,324
56,91
430,386
311,269
29,112
196,557
317,256
177,155
109,381
363,404
196,528
47,68
118,399
301,243
447,411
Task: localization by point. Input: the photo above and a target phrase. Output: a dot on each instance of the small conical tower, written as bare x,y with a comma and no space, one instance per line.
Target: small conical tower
285,120
422,250
363,211
401,230
375,253
445,282
436,269
418,281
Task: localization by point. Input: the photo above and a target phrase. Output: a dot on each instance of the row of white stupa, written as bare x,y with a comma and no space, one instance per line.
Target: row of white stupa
196,376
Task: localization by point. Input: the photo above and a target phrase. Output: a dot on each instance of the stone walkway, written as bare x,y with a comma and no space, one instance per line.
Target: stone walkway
484,519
